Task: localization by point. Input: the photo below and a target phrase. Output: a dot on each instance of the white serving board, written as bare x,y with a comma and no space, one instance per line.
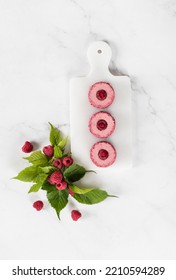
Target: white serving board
99,55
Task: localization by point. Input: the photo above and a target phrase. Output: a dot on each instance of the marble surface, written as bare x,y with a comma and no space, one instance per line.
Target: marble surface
43,45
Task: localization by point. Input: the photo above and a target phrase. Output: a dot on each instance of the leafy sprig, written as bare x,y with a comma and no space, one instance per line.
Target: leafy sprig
41,168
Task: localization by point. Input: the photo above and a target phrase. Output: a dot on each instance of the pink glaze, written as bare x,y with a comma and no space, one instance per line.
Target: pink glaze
102,124
101,95
103,154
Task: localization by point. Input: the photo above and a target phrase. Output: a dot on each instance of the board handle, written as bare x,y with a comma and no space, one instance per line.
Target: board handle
99,55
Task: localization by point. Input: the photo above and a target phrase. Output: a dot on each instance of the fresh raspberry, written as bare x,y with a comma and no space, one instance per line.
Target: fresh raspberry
75,215
67,161
55,178
50,180
61,186
70,192
27,147
48,151
103,154
38,205
58,163
101,95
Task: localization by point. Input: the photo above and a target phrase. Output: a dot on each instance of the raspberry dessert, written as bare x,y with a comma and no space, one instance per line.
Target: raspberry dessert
103,154
101,124
101,95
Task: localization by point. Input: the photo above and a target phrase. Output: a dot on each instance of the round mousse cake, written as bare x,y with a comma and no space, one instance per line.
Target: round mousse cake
101,95
103,154
102,124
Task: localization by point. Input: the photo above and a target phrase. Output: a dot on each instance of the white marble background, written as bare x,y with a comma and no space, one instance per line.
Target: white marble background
43,44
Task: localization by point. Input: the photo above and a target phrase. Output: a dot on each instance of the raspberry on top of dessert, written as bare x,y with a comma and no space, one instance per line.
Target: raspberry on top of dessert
102,124
103,154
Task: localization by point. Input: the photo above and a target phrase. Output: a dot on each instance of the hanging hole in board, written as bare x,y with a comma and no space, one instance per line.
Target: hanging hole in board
99,51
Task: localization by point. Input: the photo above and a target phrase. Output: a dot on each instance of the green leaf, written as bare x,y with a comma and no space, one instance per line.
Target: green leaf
46,185
37,158
57,199
92,197
55,137
74,173
63,143
29,174
47,169
79,190
40,179
35,188
57,152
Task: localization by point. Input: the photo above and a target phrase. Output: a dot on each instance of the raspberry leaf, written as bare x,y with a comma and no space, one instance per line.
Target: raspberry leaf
57,152
35,188
74,173
29,174
92,197
40,179
37,158
46,185
55,136
79,190
63,143
47,169
57,199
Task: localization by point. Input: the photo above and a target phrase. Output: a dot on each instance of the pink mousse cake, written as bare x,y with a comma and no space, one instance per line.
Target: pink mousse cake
101,95
101,124
103,154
